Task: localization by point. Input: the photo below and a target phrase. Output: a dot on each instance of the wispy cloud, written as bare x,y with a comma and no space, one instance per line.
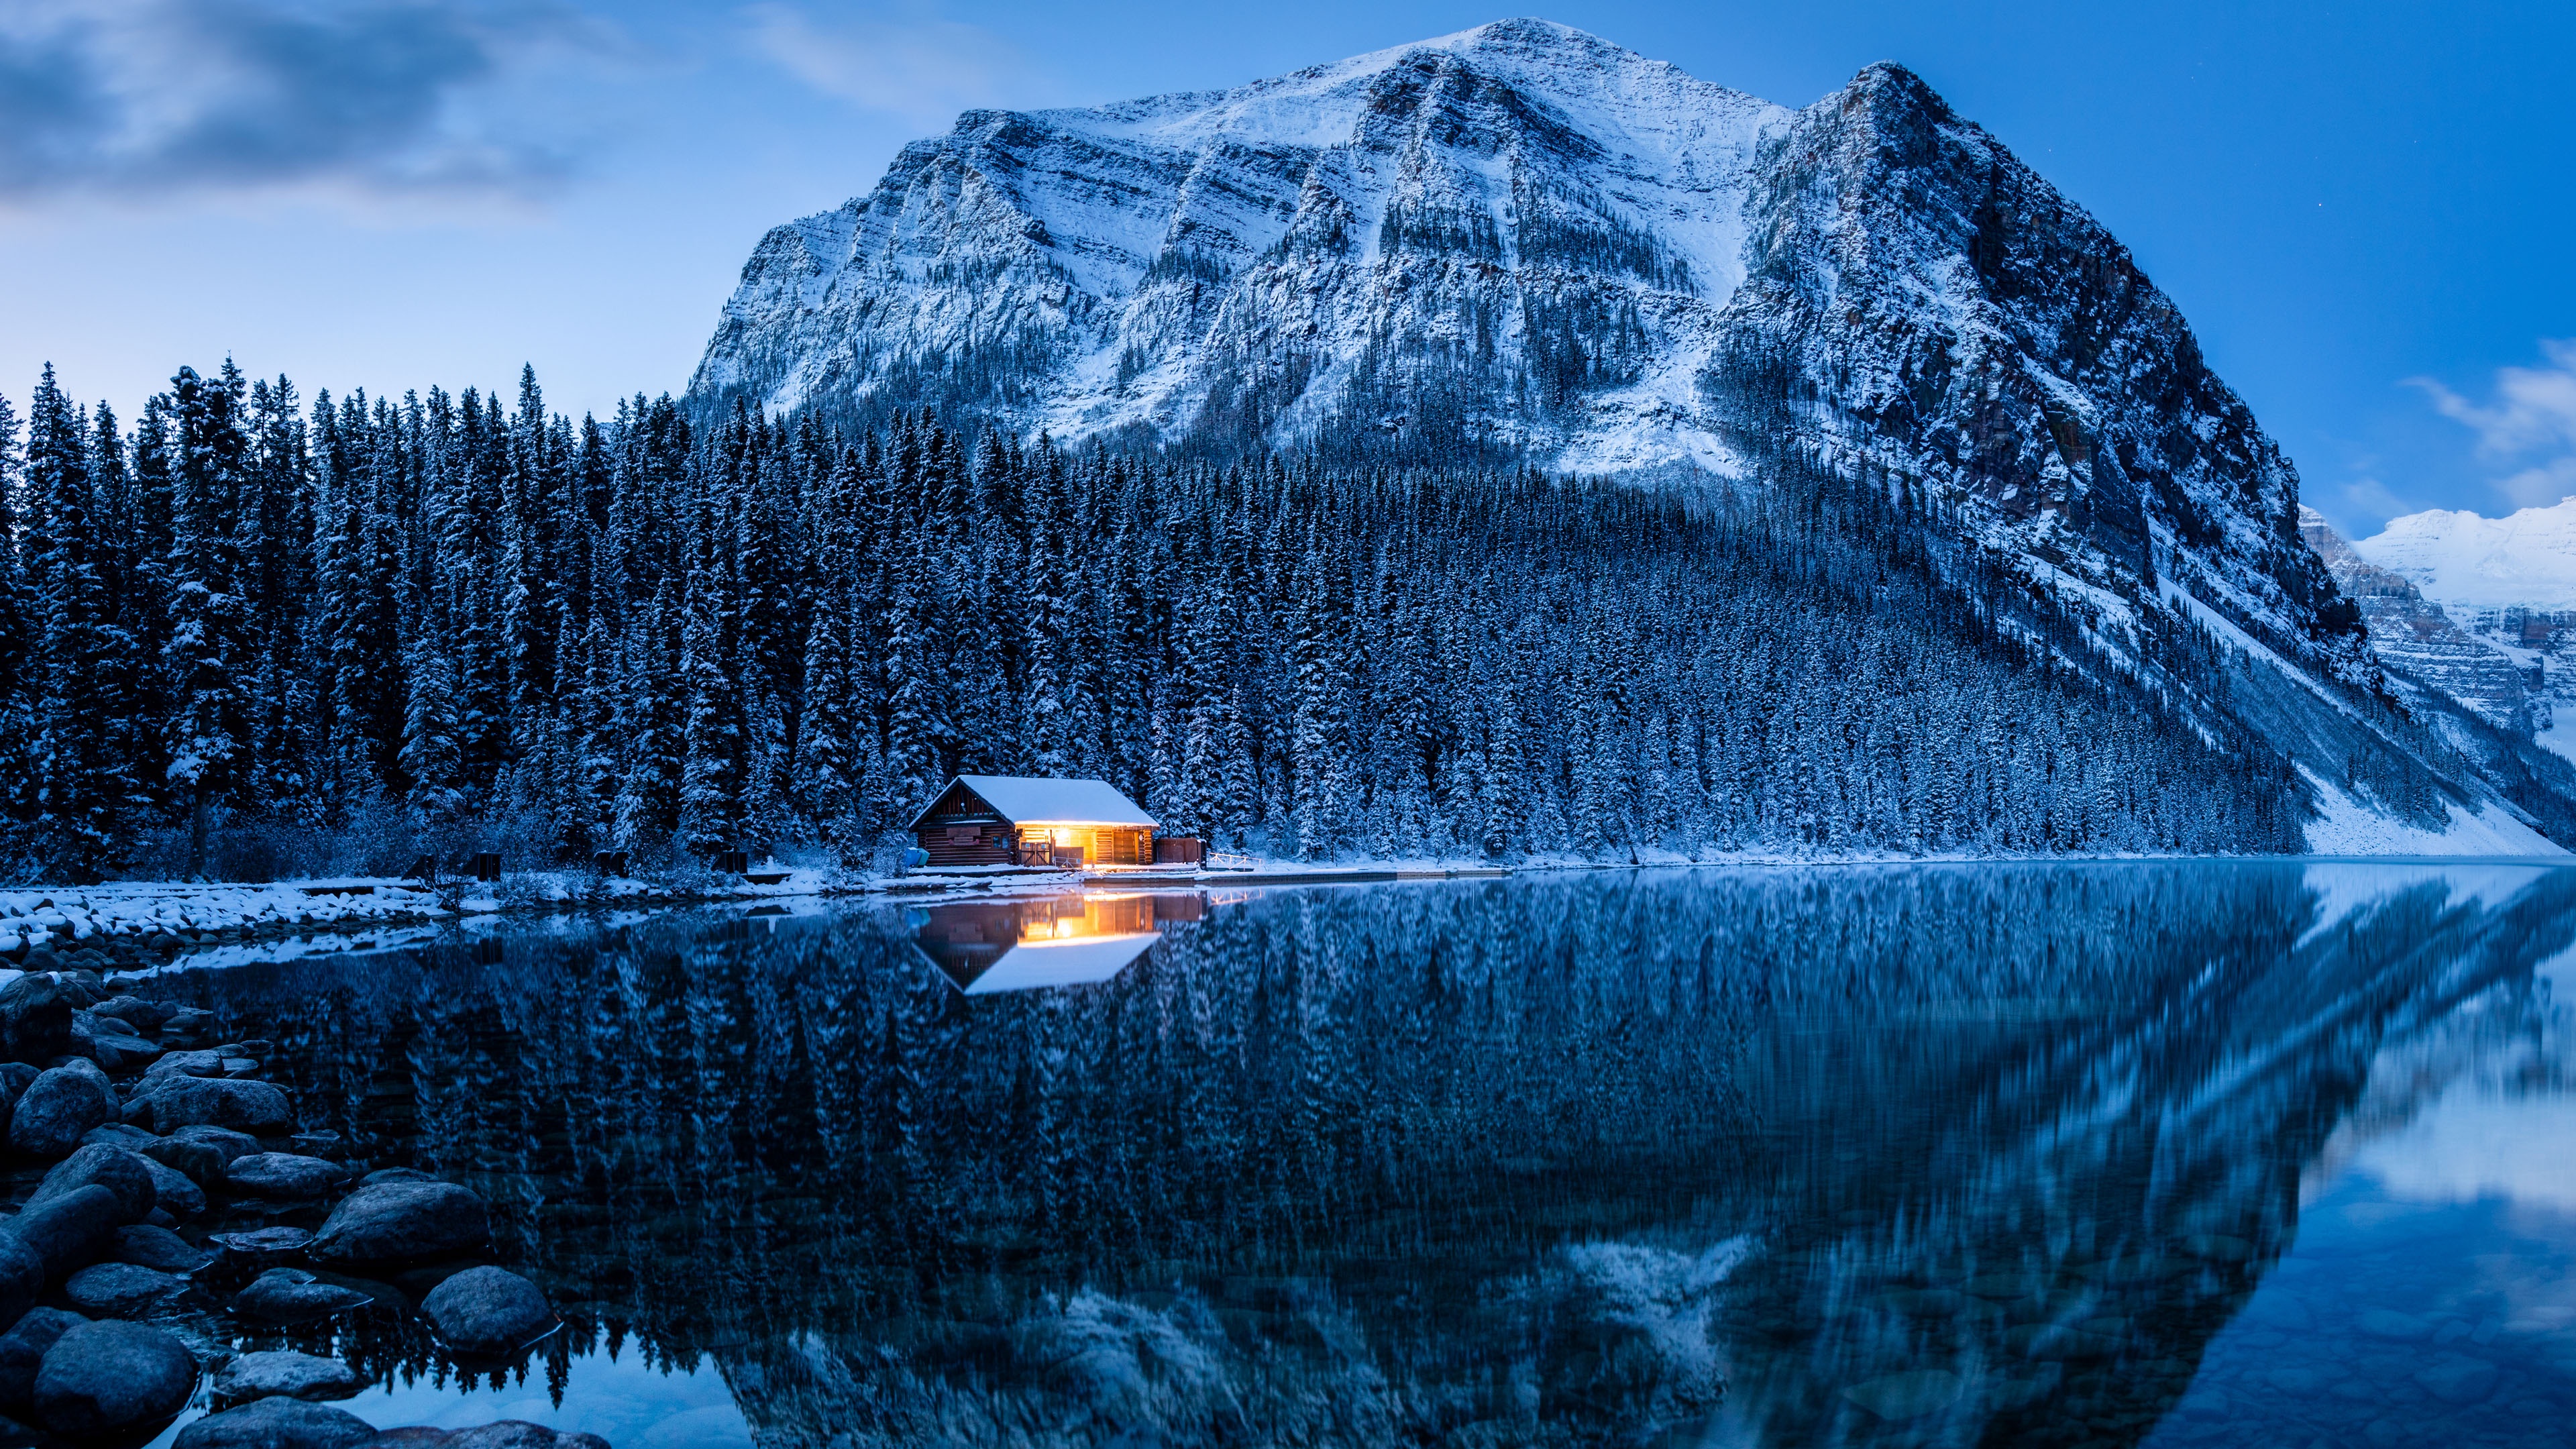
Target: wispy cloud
922,70
149,98
2372,499
2529,424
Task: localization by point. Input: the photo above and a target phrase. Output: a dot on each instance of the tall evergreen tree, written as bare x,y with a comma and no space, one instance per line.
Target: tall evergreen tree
80,783
207,648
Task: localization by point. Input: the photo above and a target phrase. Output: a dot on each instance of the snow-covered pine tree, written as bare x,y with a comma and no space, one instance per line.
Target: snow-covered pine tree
1321,754
277,589
208,646
711,774
80,783
21,626
123,551
649,726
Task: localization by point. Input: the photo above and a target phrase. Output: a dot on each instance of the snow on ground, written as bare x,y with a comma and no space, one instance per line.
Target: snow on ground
2345,826
2561,734
64,915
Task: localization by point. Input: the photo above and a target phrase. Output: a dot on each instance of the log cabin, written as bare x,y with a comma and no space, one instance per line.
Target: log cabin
1033,820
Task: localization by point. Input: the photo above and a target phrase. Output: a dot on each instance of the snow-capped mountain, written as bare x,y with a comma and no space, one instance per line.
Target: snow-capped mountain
1522,238
2509,586
2526,559
2419,642
1547,220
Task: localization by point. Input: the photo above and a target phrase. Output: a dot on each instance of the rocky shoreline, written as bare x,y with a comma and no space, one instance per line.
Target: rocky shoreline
164,1202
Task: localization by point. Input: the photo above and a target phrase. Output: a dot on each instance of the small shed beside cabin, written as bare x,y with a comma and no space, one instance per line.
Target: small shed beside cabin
1034,820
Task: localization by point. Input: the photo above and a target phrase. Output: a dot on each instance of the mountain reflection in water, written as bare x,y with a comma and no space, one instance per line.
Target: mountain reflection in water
1920,1155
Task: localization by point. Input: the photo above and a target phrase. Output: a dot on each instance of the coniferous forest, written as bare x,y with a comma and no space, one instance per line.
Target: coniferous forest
249,634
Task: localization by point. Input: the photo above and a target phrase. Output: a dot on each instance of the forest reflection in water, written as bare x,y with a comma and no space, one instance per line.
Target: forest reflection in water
1900,1155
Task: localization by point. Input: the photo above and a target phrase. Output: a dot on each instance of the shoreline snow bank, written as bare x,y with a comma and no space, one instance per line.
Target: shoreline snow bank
144,913
144,910
127,916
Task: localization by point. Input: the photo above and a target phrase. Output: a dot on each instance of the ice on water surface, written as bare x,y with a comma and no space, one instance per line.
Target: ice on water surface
2157,1152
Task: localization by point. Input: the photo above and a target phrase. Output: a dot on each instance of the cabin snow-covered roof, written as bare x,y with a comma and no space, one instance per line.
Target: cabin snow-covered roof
1024,799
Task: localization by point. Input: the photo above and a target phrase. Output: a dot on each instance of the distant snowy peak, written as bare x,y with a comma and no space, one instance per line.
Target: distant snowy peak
1601,89
2525,559
2422,646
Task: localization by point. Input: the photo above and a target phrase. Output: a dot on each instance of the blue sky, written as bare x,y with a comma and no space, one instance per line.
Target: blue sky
2365,209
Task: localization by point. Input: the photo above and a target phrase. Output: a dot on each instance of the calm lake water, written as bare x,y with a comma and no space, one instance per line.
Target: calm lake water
2167,1154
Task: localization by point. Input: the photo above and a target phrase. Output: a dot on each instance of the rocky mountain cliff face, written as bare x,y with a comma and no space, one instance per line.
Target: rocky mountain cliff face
1525,241
2506,585
1540,225
2418,642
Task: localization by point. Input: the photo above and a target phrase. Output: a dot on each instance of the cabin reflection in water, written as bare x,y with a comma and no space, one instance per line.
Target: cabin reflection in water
1028,942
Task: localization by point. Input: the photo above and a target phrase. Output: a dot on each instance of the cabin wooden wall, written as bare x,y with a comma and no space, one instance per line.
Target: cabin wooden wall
1122,845
967,844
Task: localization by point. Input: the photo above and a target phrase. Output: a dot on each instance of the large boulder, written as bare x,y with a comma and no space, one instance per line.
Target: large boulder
519,1434
14,1079
177,1193
140,1016
261,1247
120,1053
200,1162
390,1222
124,1173
291,1295
120,1290
226,1143
500,1434
159,1249
284,1175
277,1422
22,1352
488,1311
200,1063
22,1277
57,1108
99,1378
241,1105
284,1371
35,1019
70,1232
80,987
